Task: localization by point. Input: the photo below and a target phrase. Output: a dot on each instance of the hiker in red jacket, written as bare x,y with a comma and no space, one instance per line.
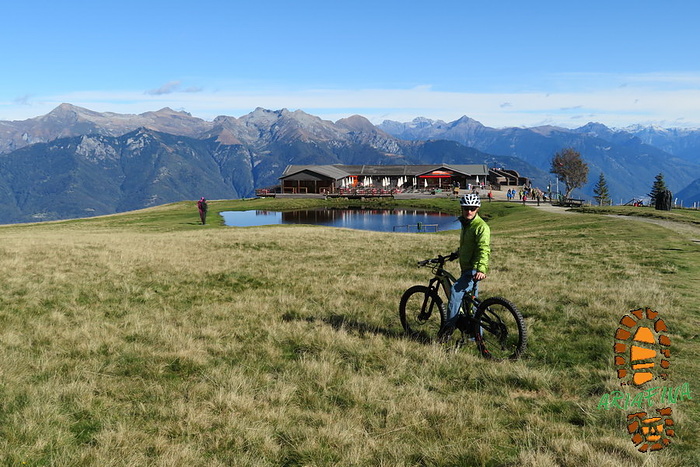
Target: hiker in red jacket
202,206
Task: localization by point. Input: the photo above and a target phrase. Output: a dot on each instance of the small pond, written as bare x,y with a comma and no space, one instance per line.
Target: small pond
378,220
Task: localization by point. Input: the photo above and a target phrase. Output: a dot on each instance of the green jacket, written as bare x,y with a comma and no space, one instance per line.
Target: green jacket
474,245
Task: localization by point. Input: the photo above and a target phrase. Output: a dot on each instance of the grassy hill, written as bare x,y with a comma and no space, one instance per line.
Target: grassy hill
146,339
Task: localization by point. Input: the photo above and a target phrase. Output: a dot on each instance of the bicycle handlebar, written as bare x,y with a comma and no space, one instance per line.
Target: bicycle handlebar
439,260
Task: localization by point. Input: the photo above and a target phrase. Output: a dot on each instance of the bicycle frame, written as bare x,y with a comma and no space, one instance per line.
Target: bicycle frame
443,280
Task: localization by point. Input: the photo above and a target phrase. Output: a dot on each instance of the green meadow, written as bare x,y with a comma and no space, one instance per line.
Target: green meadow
147,339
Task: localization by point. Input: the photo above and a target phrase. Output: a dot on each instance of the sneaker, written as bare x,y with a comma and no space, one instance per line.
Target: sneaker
445,333
465,339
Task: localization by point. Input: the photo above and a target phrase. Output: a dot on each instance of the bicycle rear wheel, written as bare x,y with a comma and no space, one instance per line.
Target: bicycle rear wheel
422,312
499,329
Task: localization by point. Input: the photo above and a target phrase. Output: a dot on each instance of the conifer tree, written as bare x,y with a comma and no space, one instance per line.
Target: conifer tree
658,187
602,195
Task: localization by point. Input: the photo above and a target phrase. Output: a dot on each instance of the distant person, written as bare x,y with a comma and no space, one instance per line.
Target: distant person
202,207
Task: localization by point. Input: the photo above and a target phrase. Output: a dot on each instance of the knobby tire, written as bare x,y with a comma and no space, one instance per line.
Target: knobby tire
500,329
422,313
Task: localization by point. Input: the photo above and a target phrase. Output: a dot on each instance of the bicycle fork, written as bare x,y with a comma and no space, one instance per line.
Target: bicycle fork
428,305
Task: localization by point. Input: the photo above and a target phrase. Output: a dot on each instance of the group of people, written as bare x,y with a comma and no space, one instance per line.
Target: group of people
526,193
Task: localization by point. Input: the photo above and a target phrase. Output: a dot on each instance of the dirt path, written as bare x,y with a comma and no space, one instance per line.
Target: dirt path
690,231
549,208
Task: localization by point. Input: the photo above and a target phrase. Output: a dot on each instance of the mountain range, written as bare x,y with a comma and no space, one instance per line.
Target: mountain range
629,158
74,162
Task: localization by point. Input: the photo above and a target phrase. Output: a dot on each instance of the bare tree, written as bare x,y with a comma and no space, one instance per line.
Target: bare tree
570,168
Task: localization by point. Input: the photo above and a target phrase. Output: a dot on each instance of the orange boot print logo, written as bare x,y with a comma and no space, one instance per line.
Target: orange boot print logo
642,348
642,359
651,433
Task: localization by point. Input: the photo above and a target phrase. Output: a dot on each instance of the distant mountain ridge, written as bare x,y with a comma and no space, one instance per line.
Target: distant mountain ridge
626,157
83,176
683,143
69,120
74,162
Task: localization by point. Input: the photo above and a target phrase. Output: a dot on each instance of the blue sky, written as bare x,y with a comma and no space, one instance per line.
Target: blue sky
503,63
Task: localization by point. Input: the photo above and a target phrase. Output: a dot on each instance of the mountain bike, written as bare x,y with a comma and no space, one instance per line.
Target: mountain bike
494,324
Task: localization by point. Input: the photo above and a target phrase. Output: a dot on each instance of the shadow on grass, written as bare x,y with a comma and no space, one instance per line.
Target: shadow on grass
343,322
339,322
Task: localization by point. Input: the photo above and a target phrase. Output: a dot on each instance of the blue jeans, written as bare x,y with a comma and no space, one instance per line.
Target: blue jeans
459,288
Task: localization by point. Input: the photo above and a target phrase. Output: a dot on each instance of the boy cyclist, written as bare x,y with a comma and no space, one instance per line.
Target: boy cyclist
474,251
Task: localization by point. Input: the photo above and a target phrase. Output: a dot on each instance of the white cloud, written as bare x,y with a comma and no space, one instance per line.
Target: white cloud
661,99
23,100
167,88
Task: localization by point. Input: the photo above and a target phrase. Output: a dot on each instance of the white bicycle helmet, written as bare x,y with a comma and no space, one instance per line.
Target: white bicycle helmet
470,200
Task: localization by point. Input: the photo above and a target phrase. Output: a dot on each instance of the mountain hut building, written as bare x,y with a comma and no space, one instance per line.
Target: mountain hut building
339,179
330,179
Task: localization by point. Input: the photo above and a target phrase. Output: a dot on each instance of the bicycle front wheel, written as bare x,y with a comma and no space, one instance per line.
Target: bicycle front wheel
422,312
499,329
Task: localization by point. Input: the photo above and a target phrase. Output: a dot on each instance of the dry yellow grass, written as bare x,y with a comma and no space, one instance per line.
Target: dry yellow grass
130,345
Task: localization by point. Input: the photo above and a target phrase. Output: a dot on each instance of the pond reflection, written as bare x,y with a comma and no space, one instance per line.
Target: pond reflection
378,220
